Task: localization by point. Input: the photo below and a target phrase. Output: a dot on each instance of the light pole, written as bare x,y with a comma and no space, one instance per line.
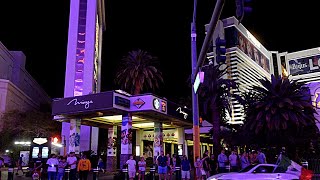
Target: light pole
195,107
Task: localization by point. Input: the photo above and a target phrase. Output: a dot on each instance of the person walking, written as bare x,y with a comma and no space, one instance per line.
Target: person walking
101,165
38,165
52,164
72,163
61,167
84,166
185,168
19,164
142,168
131,168
162,162
222,161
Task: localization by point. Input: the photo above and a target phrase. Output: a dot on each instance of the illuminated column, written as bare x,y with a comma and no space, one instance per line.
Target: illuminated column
74,137
158,139
181,141
139,143
126,139
112,149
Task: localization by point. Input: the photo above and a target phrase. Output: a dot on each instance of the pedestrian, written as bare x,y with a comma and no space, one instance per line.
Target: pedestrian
185,168
198,168
213,165
38,165
84,166
205,164
1,165
169,166
10,169
142,168
131,168
101,165
233,159
19,165
162,163
52,164
261,157
61,167
72,163
244,160
222,161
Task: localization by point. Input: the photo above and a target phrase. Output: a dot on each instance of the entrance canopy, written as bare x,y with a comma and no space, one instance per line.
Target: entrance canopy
107,108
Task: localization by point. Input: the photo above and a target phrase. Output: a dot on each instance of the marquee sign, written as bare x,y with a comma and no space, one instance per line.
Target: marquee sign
304,65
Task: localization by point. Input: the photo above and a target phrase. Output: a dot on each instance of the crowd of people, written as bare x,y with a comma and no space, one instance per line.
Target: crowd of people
208,166
55,167
204,166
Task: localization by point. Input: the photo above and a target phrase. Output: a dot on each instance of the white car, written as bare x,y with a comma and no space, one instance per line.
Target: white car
257,171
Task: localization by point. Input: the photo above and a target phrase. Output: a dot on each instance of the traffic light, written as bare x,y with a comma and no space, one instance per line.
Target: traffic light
220,50
242,8
55,139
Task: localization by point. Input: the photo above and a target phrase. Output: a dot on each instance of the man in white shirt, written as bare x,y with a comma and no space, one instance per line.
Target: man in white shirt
131,168
233,159
72,163
52,163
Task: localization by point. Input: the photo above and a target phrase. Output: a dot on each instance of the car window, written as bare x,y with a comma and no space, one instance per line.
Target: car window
264,169
248,168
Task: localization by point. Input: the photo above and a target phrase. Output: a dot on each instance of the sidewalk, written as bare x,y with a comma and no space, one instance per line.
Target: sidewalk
4,175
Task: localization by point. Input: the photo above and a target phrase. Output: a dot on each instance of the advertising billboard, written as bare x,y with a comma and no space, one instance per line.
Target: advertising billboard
235,38
304,65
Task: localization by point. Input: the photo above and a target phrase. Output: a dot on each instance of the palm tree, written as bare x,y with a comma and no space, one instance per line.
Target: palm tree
216,96
280,112
138,71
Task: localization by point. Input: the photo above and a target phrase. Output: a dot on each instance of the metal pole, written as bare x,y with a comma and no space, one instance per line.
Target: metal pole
195,110
213,23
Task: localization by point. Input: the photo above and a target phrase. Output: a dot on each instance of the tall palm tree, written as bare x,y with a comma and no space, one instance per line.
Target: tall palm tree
281,112
138,71
216,96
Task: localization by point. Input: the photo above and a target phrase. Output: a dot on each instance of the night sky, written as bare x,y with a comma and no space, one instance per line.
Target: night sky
40,29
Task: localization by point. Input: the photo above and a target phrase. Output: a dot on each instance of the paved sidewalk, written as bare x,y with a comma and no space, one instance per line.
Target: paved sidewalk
20,176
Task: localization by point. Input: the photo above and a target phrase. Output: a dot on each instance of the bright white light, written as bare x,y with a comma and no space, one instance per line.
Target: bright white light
198,81
22,142
137,150
7,151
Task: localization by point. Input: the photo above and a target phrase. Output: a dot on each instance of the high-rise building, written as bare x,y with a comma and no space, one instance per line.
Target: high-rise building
18,89
247,60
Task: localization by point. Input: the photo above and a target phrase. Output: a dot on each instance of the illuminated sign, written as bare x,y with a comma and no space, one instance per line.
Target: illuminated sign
304,65
40,140
156,103
185,115
75,102
138,103
163,106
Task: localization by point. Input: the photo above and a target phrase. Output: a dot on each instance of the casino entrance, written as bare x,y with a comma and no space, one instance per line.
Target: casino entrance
117,125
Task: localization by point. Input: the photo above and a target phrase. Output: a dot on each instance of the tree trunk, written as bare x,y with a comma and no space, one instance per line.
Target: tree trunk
215,120
137,87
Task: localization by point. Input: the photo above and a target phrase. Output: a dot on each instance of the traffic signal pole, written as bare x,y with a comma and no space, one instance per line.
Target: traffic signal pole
196,65
205,46
195,108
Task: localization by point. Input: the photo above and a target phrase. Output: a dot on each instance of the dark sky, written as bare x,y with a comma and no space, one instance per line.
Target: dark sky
39,29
